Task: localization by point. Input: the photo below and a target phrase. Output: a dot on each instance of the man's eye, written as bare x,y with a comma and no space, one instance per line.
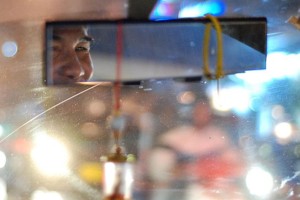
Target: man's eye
83,49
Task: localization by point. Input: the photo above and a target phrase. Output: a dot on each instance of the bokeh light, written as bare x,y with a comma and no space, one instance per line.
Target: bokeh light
1,130
283,130
237,99
46,195
50,155
278,112
186,97
164,10
259,182
2,159
96,108
9,49
274,70
199,9
3,189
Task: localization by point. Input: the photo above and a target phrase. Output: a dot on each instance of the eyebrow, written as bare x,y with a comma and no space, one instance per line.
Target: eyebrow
82,39
86,39
56,37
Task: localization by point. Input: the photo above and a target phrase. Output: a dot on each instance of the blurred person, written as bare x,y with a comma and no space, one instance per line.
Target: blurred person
71,59
199,158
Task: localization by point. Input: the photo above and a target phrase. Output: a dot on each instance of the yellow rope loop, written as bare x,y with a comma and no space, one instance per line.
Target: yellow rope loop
219,66
206,69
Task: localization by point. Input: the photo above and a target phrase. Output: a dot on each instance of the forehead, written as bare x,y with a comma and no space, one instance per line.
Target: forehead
70,32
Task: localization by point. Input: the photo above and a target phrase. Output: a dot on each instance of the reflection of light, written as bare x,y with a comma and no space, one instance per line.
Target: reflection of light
186,97
283,65
221,104
91,172
9,48
283,130
50,155
163,10
118,176
96,108
1,130
231,98
129,180
259,182
2,159
255,77
3,189
46,195
279,65
278,112
214,7
109,177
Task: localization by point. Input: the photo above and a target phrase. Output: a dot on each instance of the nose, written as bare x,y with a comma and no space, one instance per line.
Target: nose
72,69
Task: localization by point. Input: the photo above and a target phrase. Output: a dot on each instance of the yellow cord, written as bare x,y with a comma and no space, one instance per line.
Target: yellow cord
219,67
206,69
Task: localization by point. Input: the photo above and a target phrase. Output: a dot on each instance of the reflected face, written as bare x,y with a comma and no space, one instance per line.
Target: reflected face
71,57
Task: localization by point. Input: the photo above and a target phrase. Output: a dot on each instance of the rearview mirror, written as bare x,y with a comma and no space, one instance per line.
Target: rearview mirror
96,51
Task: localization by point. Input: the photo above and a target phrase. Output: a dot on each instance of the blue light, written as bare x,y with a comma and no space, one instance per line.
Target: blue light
164,10
214,7
9,49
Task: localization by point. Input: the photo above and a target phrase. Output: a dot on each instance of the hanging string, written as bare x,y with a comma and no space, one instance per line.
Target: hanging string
117,83
117,121
219,65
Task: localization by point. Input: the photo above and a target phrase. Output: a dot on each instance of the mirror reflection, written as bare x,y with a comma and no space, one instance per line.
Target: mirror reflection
141,50
70,52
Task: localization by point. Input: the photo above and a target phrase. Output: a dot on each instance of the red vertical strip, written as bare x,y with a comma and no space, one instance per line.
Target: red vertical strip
119,52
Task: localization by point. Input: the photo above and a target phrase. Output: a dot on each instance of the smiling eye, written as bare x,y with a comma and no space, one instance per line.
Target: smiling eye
82,49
